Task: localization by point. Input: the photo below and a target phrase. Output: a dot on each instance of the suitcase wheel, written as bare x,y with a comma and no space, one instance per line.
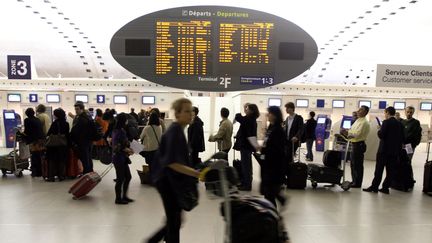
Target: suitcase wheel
18,173
346,185
314,184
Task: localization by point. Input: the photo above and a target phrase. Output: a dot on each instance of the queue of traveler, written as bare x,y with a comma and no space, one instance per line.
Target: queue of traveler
173,157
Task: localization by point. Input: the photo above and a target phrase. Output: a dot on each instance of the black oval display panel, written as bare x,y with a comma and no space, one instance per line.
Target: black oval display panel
213,48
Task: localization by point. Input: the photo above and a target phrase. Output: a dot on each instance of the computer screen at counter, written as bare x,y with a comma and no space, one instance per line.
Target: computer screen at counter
346,124
14,98
321,120
274,102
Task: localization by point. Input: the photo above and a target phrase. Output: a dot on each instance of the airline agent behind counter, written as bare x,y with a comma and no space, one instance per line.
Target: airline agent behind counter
357,136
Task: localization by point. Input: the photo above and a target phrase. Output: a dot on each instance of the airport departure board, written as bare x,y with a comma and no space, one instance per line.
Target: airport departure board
183,48
186,48
213,48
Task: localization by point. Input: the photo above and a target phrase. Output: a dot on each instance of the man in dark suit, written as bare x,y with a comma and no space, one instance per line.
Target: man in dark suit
391,136
294,128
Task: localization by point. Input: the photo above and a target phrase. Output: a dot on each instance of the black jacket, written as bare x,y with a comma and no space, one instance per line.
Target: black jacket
248,128
81,131
196,135
391,137
310,129
273,166
297,128
412,131
59,127
33,130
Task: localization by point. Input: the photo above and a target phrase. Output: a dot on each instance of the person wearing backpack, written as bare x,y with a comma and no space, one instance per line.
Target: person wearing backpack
82,136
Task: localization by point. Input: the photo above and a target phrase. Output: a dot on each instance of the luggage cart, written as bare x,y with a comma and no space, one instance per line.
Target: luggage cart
18,159
343,145
222,188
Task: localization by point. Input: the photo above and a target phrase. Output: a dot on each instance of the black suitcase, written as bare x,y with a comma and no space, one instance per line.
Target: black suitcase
323,174
297,172
237,166
255,220
297,175
403,179
427,177
332,158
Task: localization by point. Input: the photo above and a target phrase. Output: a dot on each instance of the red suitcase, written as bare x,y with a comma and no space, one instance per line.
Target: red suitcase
87,182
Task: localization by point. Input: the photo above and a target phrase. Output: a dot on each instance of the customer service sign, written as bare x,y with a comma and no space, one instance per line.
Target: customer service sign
404,76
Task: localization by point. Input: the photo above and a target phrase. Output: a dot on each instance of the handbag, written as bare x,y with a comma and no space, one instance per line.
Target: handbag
105,155
56,140
185,190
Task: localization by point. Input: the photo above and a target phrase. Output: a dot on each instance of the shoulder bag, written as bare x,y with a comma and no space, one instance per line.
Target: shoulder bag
56,140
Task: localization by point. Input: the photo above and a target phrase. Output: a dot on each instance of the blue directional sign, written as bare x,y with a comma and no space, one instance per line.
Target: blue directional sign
100,99
33,98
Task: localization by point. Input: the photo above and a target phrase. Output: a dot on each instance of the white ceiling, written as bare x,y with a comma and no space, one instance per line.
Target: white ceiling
353,36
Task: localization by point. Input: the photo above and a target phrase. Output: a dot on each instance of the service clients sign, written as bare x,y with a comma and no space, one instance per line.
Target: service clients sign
404,76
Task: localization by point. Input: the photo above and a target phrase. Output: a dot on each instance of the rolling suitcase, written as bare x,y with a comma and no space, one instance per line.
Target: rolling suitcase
237,166
74,166
297,173
87,182
332,158
427,177
254,220
403,179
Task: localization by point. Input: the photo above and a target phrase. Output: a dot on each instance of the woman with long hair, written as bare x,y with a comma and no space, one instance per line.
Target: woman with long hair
121,152
273,157
150,137
58,155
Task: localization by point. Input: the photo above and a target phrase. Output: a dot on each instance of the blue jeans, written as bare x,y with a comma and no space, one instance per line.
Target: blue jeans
246,165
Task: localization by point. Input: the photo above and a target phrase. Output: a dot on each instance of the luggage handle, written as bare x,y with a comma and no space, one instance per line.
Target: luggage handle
428,150
294,152
105,172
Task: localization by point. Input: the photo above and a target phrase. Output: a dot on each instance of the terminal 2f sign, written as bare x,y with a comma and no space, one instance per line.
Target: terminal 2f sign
404,76
19,67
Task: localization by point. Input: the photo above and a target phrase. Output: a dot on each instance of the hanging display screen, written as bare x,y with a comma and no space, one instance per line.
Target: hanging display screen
213,48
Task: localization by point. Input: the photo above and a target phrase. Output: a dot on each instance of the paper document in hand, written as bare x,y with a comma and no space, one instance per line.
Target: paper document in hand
136,146
409,148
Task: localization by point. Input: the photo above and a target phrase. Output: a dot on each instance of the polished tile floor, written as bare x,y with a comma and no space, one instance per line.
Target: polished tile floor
32,210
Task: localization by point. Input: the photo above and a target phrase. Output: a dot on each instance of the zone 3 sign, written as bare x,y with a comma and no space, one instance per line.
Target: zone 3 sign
19,67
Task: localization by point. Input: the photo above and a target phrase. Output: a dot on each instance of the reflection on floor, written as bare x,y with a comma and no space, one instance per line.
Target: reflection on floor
32,210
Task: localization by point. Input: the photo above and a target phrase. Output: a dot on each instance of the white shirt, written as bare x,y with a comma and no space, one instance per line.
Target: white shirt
290,121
